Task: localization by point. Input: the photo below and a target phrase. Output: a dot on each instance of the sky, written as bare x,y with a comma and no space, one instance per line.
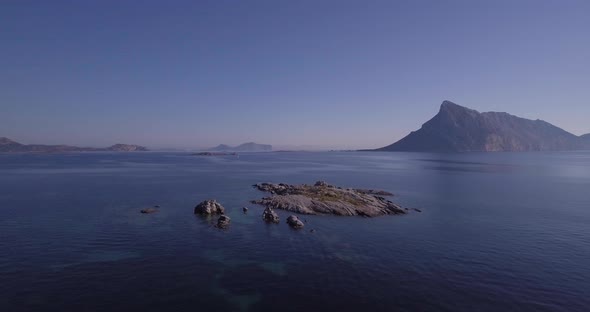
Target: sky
316,74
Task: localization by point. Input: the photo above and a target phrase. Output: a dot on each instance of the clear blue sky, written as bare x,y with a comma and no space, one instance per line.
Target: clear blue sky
335,74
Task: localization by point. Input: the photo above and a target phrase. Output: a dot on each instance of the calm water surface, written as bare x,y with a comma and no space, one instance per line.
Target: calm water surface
497,232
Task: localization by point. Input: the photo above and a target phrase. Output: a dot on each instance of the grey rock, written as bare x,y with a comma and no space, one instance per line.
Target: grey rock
223,221
294,222
269,215
210,206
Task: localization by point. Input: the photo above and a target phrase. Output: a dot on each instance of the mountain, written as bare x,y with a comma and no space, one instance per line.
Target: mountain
246,147
9,146
459,129
585,136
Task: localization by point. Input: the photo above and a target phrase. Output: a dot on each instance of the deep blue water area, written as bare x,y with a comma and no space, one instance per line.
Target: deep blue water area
497,232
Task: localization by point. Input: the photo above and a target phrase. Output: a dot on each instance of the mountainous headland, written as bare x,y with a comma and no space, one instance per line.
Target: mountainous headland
246,147
459,129
10,146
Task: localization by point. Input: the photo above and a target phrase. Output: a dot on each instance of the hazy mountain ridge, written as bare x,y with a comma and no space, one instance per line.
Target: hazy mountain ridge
245,147
459,129
10,146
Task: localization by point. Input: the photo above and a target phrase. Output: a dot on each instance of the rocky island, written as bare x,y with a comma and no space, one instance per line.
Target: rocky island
246,147
323,198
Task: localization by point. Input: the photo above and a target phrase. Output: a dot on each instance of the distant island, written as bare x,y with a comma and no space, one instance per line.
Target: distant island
246,147
9,146
459,129
215,154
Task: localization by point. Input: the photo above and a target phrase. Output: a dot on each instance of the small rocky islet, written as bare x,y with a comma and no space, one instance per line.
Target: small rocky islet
325,199
318,199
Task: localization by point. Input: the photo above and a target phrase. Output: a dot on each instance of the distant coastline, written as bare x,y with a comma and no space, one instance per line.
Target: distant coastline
10,146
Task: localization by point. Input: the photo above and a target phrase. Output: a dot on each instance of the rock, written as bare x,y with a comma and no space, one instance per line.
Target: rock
223,221
323,198
294,222
417,210
312,231
374,192
270,216
156,206
245,209
321,183
149,210
210,206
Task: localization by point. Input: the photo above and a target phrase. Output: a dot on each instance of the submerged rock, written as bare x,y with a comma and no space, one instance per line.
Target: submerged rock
323,198
294,222
270,216
210,206
149,210
223,221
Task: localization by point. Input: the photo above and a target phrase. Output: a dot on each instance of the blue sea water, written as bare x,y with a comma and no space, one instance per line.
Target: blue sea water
497,232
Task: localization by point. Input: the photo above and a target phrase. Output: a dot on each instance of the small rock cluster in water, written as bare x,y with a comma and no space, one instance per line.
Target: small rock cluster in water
320,198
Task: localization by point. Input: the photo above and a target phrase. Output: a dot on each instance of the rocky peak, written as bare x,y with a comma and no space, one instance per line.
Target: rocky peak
451,108
7,141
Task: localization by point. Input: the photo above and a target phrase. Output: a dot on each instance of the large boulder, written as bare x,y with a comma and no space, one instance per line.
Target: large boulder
270,216
223,221
210,206
294,222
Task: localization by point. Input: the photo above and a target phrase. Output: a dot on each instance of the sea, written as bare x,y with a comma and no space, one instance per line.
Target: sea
495,232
